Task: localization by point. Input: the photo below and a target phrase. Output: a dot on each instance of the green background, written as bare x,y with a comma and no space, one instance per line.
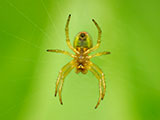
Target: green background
131,31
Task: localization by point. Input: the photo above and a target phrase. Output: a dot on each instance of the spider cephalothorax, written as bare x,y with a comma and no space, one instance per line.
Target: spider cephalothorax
82,46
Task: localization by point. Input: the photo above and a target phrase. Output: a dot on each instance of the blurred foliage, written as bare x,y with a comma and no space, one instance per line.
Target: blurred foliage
28,73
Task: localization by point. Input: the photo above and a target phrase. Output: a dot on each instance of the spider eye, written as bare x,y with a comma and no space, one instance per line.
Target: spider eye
82,35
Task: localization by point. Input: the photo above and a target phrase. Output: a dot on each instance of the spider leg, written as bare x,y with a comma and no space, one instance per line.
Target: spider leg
63,73
67,35
98,54
100,85
62,81
103,79
57,83
61,51
100,76
99,38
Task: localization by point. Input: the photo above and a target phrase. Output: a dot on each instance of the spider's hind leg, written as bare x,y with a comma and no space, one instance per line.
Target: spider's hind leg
100,76
63,73
99,71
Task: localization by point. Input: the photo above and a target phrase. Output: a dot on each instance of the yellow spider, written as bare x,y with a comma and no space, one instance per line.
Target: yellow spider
82,46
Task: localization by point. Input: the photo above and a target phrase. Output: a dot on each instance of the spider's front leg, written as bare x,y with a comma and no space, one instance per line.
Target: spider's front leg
98,41
63,73
100,76
67,35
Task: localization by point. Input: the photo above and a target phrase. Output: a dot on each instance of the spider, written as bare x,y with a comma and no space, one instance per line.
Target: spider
82,46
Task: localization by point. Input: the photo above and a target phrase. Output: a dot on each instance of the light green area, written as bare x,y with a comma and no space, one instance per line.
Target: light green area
131,31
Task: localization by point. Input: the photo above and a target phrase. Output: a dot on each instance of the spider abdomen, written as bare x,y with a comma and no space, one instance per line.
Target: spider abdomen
83,40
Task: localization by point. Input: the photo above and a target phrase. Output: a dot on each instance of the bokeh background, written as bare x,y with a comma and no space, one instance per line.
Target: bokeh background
131,31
